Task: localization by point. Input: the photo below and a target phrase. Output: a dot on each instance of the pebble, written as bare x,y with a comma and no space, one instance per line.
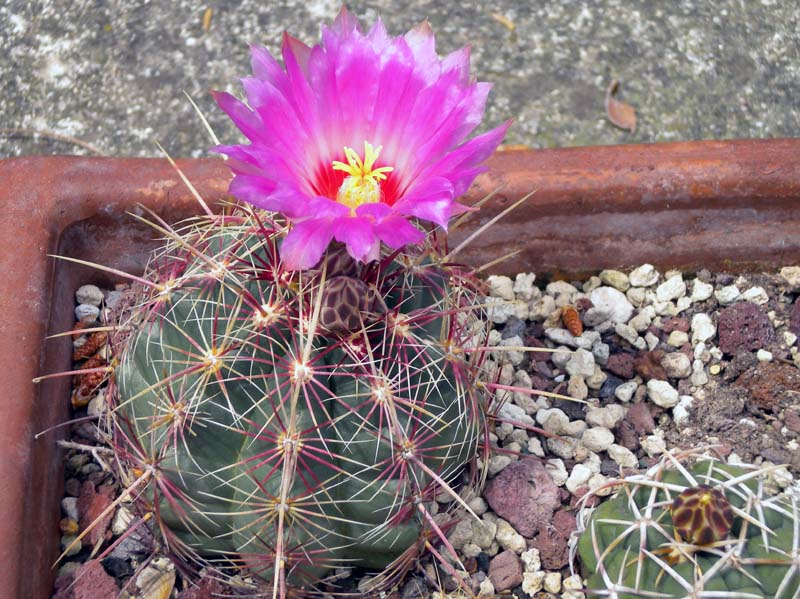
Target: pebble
531,559
701,291
605,417
671,289
703,328
501,286
593,317
662,393
636,295
625,391
535,447
757,295
654,445
597,439
699,376
573,587
576,388
86,312
557,471
714,369
677,365
508,538
70,545
680,413
532,582
558,287
89,294
497,463
642,320
727,295
461,534
552,582
578,478
478,505
564,337
561,356
523,286
581,363
613,302
627,332
69,505
616,279
792,275
764,356
622,456
541,308
514,414
122,520
643,276
602,352
483,532
789,338
562,447
677,339
596,380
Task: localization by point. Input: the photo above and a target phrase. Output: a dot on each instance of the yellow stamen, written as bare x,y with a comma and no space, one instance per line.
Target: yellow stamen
362,185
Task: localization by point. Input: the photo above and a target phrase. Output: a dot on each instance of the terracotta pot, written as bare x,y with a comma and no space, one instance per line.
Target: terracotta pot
713,204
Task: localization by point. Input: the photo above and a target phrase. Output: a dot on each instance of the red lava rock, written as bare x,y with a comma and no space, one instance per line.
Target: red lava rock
744,327
553,549
794,318
640,417
625,435
525,495
90,581
675,323
621,365
580,492
91,504
537,356
505,571
207,588
792,420
648,365
770,384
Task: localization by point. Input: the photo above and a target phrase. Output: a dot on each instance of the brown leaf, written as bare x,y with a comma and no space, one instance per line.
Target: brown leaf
619,113
207,13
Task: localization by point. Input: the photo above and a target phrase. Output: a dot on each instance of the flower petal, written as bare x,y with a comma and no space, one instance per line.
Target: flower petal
358,235
305,244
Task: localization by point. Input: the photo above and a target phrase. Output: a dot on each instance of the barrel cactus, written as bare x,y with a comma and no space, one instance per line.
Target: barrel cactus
708,529
289,422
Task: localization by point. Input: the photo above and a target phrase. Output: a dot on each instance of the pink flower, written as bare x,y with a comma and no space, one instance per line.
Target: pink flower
354,137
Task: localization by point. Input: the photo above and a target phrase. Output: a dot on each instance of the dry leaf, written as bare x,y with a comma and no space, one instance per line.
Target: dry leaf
621,114
207,19
504,21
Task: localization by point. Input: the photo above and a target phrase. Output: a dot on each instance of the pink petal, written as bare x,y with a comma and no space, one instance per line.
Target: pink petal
359,237
430,199
305,243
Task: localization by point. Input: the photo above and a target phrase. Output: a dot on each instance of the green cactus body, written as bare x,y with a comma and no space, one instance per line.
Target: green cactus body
758,558
271,439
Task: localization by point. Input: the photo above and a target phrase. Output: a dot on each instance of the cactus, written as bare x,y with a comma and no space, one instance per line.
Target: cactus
283,423
705,530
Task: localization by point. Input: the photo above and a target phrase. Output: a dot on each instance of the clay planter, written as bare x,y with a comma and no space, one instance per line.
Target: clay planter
714,204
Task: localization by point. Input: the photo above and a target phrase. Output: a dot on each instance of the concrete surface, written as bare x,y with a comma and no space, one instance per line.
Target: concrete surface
112,73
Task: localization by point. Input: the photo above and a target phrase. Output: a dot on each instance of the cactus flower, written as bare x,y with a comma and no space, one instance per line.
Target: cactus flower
356,137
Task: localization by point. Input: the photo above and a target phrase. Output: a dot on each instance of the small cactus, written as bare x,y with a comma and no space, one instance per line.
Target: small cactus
709,530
